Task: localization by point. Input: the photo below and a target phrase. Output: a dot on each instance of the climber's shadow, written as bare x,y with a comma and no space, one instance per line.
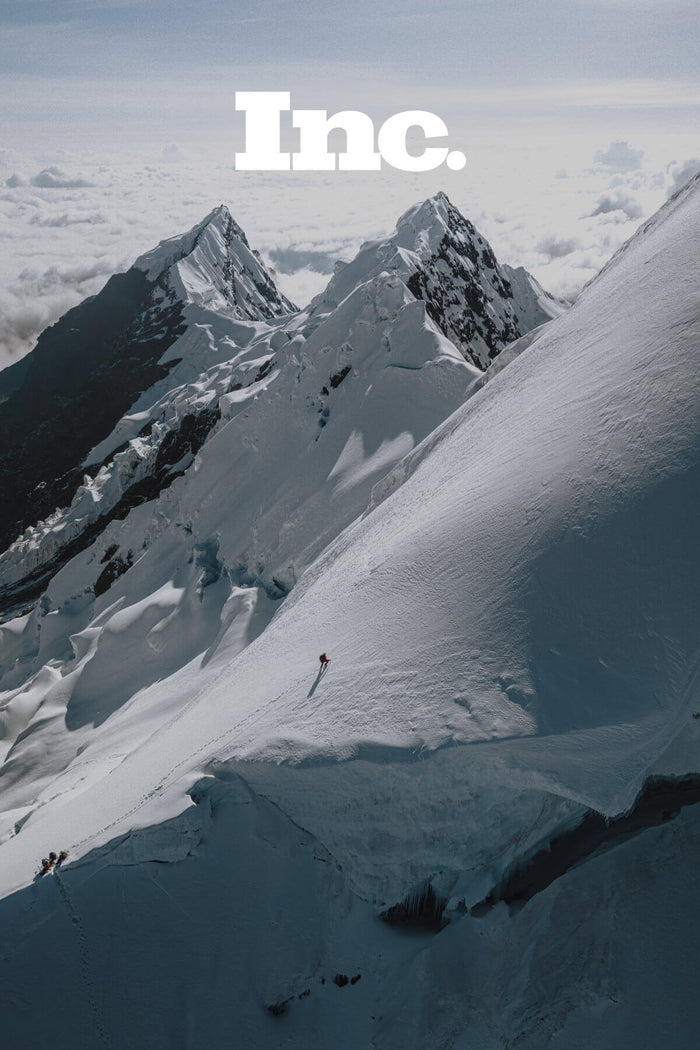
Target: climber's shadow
321,671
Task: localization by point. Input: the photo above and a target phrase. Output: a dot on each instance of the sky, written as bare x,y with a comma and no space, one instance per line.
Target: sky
118,128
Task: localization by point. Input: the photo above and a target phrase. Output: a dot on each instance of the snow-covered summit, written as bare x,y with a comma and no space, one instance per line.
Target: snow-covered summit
176,313
446,262
213,265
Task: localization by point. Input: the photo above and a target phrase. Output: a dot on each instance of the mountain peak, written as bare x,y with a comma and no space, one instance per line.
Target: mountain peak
423,226
446,262
172,250
213,265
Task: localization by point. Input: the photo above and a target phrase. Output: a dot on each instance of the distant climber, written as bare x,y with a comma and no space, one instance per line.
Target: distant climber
52,861
324,660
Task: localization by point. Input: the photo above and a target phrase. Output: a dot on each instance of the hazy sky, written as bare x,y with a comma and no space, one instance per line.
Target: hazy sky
117,128
457,41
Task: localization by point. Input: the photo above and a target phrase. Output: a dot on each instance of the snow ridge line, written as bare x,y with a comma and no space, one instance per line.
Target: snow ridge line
85,963
190,758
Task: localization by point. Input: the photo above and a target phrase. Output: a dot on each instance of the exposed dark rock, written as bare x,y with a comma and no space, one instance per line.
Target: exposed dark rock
453,278
187,438
338,378
263,370
116,568
110,552
84,374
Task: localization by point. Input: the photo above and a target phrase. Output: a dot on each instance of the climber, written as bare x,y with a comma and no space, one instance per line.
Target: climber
324,660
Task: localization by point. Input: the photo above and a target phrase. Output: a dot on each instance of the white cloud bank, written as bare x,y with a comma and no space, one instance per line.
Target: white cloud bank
67,223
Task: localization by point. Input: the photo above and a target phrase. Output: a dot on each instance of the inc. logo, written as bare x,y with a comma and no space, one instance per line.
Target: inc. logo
263,151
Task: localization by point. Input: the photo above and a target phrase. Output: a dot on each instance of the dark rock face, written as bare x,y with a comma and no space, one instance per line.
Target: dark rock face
84,374
177,444
466,293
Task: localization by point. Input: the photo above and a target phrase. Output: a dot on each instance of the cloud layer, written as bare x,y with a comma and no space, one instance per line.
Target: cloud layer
66,224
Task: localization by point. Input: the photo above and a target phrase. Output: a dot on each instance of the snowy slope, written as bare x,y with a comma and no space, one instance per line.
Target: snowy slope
223,488
510,602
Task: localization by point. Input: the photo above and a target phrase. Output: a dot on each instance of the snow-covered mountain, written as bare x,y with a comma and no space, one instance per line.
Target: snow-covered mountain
446,262
503,569
140,375
91,366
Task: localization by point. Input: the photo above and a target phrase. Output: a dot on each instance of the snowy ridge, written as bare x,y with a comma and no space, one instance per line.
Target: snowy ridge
534,306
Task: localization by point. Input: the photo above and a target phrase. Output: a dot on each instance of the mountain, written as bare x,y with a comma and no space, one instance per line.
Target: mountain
92,365
447,263
477,826
133,390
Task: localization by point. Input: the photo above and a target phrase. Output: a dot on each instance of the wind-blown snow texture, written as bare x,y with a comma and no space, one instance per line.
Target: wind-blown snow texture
503,569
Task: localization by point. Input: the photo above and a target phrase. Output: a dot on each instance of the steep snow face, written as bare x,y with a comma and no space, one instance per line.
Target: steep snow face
518,563
212,265
447,263
533,305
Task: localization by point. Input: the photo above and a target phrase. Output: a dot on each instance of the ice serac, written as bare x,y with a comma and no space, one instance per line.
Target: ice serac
89,368
444,261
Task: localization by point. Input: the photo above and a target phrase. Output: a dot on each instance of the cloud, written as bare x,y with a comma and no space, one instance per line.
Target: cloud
681,173
290,260
618,201
172,154
619,157
59,244
54,179
65,219
37,298
302,285
14,181
557,248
